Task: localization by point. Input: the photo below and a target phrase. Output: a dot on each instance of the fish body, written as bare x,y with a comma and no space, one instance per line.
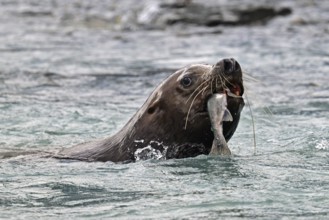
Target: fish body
218,113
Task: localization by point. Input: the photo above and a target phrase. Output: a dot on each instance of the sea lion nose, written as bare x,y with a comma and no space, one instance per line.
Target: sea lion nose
229,65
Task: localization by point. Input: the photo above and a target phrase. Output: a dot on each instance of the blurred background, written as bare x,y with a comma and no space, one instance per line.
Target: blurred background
72,71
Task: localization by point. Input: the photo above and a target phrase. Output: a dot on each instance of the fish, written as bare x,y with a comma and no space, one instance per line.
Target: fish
218,113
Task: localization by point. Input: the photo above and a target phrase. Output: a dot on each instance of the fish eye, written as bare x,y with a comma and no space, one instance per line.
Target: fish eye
186,81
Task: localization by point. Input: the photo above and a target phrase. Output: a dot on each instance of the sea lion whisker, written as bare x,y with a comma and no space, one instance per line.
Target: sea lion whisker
211,89
228,81
196,89
204,89
217,83
189,110
253,122
248,77
223,85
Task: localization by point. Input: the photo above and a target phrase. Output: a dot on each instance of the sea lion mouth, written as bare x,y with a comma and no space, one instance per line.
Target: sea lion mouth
228,75
234,91
225,77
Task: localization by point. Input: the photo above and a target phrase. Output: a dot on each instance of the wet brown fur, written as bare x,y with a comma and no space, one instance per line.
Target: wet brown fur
173,119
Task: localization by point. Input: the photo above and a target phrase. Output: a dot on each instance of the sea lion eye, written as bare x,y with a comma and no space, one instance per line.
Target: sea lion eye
186,81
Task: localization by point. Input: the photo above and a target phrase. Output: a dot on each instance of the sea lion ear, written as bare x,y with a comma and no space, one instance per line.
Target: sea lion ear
155,103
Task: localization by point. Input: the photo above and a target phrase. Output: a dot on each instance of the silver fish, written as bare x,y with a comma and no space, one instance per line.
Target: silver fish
218,113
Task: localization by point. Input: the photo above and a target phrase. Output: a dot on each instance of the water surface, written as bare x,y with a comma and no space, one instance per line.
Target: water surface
65,80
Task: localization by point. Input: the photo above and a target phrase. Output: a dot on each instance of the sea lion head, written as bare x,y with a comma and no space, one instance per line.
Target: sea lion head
176,115
174,121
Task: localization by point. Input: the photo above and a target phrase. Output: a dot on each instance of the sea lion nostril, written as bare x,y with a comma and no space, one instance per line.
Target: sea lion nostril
235,64
229,65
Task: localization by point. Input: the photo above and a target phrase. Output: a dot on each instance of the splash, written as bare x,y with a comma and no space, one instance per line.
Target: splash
150,152
323,145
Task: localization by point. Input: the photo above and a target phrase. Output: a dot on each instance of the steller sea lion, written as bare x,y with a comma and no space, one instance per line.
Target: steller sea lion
174,120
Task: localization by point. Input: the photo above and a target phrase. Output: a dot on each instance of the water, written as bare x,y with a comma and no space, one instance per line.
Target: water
70,72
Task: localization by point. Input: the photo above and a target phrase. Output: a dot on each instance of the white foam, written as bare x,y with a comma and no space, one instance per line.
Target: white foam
150,153
139,141
323,145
